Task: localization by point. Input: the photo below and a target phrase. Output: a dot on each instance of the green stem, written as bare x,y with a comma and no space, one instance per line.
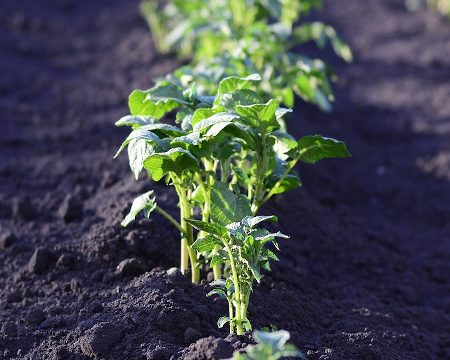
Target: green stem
188,240
260,174
280,180
170,218
230,314
237,293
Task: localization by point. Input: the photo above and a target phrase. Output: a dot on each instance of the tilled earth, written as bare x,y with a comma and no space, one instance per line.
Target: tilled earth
365,274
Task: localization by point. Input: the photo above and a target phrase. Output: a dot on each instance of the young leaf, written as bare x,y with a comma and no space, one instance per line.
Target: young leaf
313,148
222,321
209,228
251,221
218,292
260,115
175,160
144,202
206,243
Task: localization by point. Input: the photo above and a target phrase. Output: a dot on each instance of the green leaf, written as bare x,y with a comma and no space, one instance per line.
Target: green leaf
251,221
291,181
276,340
209,228
138,134
244,97
214,119
175,160
192,138
254,268
144,202
226,207
135,121
233,83
138,151
314,148
222,321
218,292
233,129
163,129
270,236
261,116
219,258
206,243
157,101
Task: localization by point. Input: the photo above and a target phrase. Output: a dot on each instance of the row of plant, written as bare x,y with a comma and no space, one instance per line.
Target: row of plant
228,150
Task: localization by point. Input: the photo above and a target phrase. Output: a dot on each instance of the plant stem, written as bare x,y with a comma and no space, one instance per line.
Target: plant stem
280,180
170,218
237,293
230,314
260,174
188,239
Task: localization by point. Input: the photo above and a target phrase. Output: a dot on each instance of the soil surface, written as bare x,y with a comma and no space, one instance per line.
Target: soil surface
365,274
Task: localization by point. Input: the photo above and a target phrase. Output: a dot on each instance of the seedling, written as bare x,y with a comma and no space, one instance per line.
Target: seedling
269,346
225,155
242,249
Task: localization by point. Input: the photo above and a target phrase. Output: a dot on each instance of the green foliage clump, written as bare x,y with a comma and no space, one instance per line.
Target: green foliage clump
239,37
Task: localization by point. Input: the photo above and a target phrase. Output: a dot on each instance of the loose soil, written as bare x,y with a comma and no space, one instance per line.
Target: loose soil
365,274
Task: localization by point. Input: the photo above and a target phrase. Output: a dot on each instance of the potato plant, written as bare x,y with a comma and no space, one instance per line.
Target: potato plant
269,346
242,249
225,155
247,36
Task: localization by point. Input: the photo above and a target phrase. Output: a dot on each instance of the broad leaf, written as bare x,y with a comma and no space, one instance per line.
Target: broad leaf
226,207
214,119
233,83
206,243
135,121
261,116
314,148
209,228
175,160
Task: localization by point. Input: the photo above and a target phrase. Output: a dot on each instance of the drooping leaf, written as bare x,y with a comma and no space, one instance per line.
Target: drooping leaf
138,151
233,129
252,221
218,292
144,202
135,121
163,129
175,160
139,134
222,321
314,148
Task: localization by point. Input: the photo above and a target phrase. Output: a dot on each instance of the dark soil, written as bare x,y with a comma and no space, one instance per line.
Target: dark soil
366,272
